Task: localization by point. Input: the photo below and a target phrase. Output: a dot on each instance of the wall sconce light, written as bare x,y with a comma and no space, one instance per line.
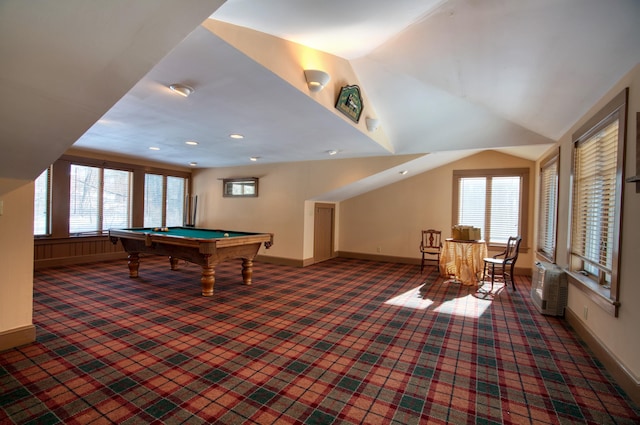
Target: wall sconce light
316,80
372,123
181,89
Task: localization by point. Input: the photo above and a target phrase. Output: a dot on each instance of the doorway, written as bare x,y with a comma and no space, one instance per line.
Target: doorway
323,230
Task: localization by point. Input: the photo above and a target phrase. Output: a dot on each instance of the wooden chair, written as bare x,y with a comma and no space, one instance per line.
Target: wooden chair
505,260
430,245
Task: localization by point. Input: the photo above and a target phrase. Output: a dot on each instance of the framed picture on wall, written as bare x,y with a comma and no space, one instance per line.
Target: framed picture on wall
350,102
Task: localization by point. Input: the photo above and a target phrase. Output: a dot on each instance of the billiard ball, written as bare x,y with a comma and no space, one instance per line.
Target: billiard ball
226,235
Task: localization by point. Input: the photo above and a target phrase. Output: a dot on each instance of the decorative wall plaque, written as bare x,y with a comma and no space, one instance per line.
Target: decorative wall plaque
350,102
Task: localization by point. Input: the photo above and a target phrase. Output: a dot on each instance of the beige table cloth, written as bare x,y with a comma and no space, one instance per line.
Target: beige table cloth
463,260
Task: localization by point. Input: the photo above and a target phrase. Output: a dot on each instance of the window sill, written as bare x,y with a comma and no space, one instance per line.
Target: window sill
40,239
596,293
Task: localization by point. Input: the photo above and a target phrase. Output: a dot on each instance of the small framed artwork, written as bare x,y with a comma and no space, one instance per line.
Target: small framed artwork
350,102
242,187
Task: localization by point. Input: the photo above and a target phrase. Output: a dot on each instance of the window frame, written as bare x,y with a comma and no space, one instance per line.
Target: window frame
523,173
545,164
100,206
60,192
164,212
616,109
47,219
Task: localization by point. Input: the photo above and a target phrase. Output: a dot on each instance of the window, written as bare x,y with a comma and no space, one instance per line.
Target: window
247,187
153,188
175,207
164,200
99,199
598,151
493,200
85,197
41,204
547,208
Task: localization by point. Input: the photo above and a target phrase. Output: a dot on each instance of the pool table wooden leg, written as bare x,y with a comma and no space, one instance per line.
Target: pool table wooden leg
207,280
247,270
134,264
174,262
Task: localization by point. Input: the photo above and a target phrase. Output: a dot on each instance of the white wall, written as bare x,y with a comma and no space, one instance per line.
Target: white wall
16,255
285,202
621,335
392,217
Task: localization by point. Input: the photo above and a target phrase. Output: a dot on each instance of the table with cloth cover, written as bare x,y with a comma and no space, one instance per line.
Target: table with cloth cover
463,260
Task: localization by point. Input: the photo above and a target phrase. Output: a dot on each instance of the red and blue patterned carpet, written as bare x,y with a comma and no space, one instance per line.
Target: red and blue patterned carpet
341,342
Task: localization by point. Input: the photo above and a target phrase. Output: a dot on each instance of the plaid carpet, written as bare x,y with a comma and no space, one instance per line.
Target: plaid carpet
342,342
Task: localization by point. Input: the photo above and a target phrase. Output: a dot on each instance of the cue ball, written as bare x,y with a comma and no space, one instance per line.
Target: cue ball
226,235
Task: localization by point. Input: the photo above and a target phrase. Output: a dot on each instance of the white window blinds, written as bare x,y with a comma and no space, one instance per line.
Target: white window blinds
175,207
99,199
594,202
492,203
153,200
547,212
41,202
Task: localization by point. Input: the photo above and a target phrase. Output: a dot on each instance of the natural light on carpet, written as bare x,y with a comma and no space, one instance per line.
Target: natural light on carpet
411,299
467,306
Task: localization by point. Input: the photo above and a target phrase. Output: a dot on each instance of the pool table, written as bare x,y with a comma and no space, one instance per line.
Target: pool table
205,247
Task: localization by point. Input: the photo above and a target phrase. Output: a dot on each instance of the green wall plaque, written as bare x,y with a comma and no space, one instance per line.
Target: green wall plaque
350,102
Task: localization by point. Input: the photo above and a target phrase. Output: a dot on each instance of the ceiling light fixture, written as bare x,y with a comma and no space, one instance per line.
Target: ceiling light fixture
181,89
191,142
316,79
403,172
193,164
154,148
372,123
332,152
254,158
236,136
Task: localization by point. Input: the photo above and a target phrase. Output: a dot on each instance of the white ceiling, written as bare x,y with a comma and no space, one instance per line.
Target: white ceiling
442,75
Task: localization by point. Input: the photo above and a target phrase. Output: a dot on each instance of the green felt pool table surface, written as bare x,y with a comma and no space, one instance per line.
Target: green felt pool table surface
190,232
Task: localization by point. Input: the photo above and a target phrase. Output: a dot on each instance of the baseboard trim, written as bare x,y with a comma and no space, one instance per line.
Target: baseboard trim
80,259
381,258
17,337
281,261
618,371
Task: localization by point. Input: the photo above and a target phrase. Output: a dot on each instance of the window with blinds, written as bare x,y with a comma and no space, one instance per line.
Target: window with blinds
153,200
42,203
594,203
493,201
99,199
547,208
176,196
596,200
164,200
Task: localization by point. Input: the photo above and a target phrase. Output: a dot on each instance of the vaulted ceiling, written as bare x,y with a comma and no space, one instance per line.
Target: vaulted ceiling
445,77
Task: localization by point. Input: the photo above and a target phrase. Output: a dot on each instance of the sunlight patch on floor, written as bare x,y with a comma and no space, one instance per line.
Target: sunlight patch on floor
467,306
411,299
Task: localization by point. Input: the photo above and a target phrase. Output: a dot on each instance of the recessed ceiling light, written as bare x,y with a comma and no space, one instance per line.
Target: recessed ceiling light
403,172
236,136
154,148
193,164
191,142
332,152
254,158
